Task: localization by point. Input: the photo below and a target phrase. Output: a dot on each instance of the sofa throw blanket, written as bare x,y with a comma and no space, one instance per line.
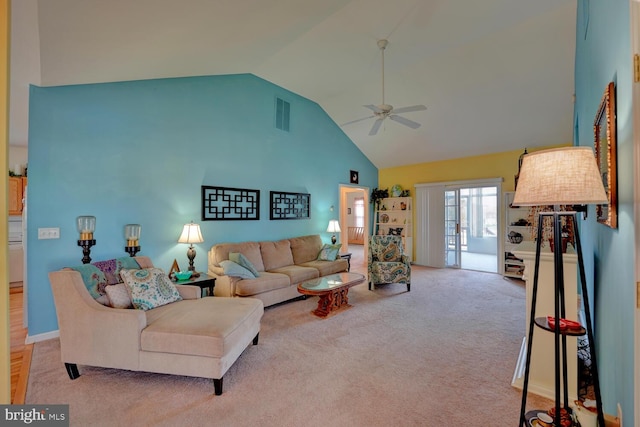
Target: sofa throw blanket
98,275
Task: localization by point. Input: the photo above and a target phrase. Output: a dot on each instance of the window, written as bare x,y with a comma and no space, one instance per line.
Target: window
358,207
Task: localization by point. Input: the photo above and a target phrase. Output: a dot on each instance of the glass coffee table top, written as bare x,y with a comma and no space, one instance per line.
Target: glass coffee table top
332,281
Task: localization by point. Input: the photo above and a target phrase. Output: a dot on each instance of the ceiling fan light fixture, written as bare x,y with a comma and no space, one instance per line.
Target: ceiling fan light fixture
384,110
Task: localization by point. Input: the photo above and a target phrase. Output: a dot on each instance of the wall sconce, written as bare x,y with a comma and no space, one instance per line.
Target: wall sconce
191,234
86,227
334,227
132,235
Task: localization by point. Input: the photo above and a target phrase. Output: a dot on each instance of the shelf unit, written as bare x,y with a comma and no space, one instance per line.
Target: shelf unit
516,234
394,216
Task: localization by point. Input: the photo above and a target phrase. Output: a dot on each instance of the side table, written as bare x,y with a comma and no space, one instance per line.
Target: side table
204,281
347,256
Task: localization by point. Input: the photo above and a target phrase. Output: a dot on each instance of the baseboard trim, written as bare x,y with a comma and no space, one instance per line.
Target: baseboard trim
42,337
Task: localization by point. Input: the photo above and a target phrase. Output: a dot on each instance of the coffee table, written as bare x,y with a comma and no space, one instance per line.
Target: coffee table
333,291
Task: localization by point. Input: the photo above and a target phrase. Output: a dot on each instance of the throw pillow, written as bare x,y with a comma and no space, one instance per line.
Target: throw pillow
149,288
232,269
118,296
238,258
329,252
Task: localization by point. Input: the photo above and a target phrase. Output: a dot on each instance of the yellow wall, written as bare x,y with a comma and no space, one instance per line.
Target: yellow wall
500,165
5,360
497,165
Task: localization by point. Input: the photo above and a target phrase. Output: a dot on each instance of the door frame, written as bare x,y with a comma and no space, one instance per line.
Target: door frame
342,208
635,107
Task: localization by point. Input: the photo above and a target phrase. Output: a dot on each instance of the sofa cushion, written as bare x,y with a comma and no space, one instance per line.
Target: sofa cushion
230,268
251,250
276,254
149,288
238,258
329,252
305,248
201,327
118,296
297,273
265,283
328,267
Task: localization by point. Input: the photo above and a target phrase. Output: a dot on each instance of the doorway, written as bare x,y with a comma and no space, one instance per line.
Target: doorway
354,222
471,228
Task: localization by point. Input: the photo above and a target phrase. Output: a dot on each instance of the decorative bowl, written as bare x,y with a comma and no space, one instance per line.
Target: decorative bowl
183,275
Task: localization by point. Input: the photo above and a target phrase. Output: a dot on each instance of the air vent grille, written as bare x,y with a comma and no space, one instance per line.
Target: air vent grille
283,111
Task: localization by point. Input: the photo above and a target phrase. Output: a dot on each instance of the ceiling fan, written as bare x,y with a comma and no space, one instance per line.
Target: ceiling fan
383,111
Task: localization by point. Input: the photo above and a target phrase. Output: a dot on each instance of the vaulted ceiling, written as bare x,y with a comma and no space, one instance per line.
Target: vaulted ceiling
495,75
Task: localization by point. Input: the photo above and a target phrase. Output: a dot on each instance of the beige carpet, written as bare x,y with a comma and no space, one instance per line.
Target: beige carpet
441,355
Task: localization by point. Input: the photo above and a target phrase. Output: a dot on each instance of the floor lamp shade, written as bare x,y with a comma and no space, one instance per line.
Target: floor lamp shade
561,176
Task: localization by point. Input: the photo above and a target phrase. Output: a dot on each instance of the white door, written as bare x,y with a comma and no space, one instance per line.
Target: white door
452,249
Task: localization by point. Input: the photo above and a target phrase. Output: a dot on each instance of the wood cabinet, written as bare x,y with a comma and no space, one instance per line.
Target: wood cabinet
394,216
517,235
16,194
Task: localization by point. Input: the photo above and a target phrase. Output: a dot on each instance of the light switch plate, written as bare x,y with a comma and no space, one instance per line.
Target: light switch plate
48,233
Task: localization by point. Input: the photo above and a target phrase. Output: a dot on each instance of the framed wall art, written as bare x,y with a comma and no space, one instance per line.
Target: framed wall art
227,204
604,128
285,205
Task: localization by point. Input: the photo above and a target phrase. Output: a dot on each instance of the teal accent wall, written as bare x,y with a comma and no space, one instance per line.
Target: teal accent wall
603,54
139,152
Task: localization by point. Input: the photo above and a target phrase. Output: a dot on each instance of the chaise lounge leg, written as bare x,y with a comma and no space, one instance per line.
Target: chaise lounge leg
217,385
72,370
255,339
408,287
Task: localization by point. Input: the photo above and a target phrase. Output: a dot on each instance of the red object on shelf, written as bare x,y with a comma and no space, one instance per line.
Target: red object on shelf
564,323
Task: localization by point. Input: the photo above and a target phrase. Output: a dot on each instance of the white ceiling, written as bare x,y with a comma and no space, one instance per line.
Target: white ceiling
495,75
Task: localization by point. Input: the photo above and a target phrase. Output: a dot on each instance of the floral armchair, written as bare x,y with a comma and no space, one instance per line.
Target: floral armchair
387,261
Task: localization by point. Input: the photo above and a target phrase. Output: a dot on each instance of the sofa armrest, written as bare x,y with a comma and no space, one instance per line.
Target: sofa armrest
225,285
189,291
405,260
90,333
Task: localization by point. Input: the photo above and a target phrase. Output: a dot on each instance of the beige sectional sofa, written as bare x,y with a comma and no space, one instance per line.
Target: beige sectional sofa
198,337
281,265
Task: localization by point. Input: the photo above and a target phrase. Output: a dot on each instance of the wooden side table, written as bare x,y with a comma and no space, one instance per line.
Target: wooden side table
204,281
347,256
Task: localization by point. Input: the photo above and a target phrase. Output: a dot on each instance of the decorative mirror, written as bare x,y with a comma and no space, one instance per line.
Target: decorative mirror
604,129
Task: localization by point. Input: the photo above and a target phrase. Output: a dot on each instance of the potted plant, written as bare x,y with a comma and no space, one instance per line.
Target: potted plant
377,195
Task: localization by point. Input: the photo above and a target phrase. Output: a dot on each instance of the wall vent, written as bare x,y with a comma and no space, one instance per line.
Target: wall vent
283,111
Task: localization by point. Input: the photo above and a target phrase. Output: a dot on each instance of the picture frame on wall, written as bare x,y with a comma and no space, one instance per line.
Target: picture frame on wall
354,177
604,129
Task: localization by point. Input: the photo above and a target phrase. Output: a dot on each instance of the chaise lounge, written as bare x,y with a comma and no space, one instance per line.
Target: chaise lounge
193,336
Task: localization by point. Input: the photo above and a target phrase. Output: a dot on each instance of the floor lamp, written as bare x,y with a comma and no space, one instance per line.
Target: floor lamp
563,176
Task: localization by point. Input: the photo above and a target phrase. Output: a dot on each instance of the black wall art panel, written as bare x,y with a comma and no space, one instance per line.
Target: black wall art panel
289,205
228,204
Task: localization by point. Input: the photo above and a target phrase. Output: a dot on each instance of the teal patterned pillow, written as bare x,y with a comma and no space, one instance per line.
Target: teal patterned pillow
149,288
329,252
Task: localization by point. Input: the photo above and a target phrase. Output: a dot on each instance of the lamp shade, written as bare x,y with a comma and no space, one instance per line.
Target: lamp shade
132,234
86,226
334,226
561,176
191,234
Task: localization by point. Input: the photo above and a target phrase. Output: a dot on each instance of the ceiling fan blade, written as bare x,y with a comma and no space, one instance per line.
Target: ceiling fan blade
405,121
409,109
376,126
357,120
373,108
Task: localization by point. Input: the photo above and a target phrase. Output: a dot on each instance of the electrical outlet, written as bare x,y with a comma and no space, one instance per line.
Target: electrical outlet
48,233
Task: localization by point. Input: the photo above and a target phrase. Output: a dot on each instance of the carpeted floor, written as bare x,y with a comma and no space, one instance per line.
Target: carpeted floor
441,355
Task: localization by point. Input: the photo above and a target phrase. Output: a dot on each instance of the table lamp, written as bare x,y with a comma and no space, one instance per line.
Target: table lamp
191,234
334,227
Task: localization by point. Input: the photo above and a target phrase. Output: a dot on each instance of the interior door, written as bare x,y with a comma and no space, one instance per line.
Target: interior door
452,228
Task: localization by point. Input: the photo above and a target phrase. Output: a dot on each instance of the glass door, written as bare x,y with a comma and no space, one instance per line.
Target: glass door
452,228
